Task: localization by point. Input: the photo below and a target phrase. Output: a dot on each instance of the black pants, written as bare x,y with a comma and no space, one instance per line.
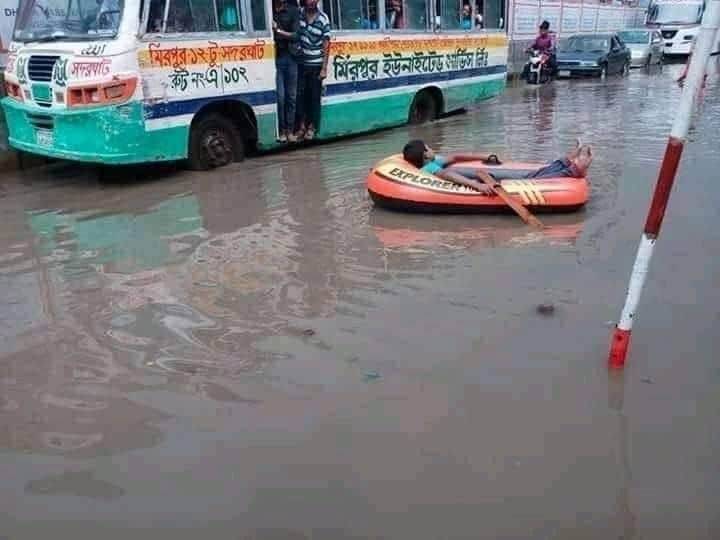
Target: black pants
555,169
309,93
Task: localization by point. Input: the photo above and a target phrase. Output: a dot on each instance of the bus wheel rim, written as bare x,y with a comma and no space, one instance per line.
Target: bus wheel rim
217,147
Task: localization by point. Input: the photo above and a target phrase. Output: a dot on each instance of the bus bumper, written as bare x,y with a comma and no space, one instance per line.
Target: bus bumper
678,47
112,135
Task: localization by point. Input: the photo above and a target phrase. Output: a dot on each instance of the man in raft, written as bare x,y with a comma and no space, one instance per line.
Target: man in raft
420,155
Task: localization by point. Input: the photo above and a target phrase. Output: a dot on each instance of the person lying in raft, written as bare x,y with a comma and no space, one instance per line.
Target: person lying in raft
420,155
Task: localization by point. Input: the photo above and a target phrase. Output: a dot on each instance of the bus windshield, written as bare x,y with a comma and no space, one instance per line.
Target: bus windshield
675,13
50,20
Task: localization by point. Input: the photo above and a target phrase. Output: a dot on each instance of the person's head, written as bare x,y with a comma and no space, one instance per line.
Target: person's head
311,5
466,11
280,5
396,5
544,27
417,153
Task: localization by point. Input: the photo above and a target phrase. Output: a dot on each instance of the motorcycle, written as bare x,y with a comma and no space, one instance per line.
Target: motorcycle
538,67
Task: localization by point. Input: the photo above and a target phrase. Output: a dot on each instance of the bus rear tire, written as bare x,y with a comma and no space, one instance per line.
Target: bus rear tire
424,108
214,142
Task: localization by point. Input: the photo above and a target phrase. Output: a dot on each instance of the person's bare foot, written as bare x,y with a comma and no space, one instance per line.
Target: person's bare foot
582,161
573,154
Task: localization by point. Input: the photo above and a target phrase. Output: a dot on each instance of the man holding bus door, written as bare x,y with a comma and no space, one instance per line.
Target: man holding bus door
315,45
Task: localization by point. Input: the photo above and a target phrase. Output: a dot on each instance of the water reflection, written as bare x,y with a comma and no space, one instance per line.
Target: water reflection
179,293
616,404
408,233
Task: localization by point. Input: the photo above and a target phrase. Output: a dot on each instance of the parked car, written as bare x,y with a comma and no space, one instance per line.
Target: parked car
646,46
593,54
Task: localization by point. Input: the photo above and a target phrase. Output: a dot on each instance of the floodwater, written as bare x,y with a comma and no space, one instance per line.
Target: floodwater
259,353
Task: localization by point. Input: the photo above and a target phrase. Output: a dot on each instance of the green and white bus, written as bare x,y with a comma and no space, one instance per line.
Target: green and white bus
133,81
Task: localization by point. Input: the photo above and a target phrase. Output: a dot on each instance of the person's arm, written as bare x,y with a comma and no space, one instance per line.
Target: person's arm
326,51
282,33
464,181
459,158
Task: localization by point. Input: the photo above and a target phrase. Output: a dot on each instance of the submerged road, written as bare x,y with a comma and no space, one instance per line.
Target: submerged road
257,352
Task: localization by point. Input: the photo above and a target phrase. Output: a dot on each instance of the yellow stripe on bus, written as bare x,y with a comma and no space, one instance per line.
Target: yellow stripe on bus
168,54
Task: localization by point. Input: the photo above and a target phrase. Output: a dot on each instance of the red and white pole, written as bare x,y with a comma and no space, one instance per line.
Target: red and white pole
666,177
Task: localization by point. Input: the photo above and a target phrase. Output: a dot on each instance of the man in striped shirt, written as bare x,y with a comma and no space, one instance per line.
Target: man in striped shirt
314,36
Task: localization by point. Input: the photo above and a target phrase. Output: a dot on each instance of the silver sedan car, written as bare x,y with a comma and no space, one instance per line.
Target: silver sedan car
646,46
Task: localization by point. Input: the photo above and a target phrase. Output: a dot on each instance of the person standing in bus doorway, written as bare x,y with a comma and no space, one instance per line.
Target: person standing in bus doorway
286,26
315,46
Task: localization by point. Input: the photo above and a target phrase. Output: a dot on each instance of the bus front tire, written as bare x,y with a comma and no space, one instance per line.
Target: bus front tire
424,108
214,142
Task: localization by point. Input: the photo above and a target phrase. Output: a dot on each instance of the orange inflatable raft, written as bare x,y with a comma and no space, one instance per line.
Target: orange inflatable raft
394,183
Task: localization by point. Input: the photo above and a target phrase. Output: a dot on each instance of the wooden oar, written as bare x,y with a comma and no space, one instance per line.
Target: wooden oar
519,209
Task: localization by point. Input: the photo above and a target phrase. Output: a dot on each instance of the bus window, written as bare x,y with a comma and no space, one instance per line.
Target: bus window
414,14
155,16
200,16
228,16
492,13
454,15
257,8
191,16
353,14
395,14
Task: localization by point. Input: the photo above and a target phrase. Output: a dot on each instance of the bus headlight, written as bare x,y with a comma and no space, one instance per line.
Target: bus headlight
116,91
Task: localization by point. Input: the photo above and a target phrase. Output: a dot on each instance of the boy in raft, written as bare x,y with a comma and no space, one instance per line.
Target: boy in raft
417,153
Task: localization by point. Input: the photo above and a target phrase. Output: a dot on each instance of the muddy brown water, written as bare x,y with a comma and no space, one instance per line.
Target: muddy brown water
259,353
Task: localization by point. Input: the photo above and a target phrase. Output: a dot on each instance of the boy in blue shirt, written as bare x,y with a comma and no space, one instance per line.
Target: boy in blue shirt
420,155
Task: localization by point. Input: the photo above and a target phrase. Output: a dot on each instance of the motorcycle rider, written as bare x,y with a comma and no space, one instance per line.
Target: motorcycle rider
545,43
